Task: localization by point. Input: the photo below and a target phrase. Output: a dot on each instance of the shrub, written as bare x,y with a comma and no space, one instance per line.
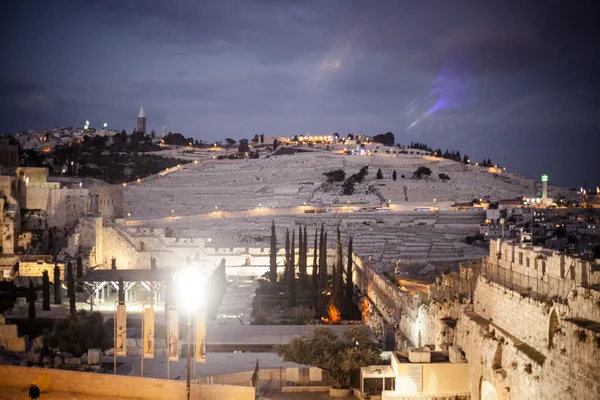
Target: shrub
79,332
299,315
348,187
337,175
422,172
444,177
379,174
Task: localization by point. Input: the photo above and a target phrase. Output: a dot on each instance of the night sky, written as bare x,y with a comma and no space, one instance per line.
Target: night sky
510,80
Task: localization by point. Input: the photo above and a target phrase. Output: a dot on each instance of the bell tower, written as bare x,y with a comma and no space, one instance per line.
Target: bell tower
141,121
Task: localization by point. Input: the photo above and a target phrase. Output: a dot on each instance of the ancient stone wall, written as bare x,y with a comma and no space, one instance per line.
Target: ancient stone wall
109,201
134,248
37,268
518,345
63,206
90,233
113,386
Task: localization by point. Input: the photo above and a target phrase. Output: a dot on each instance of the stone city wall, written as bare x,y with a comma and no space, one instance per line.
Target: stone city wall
135,248
108,385
63,207
559,359
543,264
524,348
36,269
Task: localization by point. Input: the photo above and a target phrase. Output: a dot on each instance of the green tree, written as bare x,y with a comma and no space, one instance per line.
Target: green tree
71,288
394,176
113,264
243,147
379,174
337,175
322,296
302,265
339,356
315,271
228,143
292,273
286,267
273,256
79,273
338,278
57,296
77,333
45,291
31,298
421,172
349,292
323,261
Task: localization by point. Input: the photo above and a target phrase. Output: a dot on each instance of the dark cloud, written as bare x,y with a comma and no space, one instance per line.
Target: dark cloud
481,77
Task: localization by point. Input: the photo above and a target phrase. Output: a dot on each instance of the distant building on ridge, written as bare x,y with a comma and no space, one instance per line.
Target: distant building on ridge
141,121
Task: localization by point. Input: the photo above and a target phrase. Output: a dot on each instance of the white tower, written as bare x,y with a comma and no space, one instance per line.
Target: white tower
141,121
544,186
164,131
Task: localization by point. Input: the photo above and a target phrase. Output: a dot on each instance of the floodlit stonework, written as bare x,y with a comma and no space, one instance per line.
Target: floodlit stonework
523,336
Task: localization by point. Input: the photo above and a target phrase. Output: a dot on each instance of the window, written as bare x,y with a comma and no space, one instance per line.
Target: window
520,258
543,266
527,262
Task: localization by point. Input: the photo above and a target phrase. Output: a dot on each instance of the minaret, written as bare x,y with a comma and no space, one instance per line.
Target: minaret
544,186
141,122
164,131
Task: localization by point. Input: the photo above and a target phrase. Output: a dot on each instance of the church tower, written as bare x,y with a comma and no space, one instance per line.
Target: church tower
141,122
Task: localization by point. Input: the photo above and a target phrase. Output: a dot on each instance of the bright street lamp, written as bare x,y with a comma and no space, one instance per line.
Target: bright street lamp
190,298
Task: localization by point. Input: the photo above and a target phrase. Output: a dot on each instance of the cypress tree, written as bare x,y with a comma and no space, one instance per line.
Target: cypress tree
71,288
315,271
394,176
286,268
334,278
293,253
338,289
57,297
302,264
348,295
300,249
321,297
292,273
273,256
31,298
113,263
79,273
121,291
323,262
45,291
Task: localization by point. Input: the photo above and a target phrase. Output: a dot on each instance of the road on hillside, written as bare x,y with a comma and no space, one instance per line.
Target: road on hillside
266,212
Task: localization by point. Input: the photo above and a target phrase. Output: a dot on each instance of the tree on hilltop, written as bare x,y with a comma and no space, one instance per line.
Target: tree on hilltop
421,172
228,143
379,174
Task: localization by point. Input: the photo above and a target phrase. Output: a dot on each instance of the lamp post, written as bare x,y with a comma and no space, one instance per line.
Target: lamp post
190,297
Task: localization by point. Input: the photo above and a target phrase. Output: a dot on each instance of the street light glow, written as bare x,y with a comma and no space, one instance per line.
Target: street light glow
190,290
